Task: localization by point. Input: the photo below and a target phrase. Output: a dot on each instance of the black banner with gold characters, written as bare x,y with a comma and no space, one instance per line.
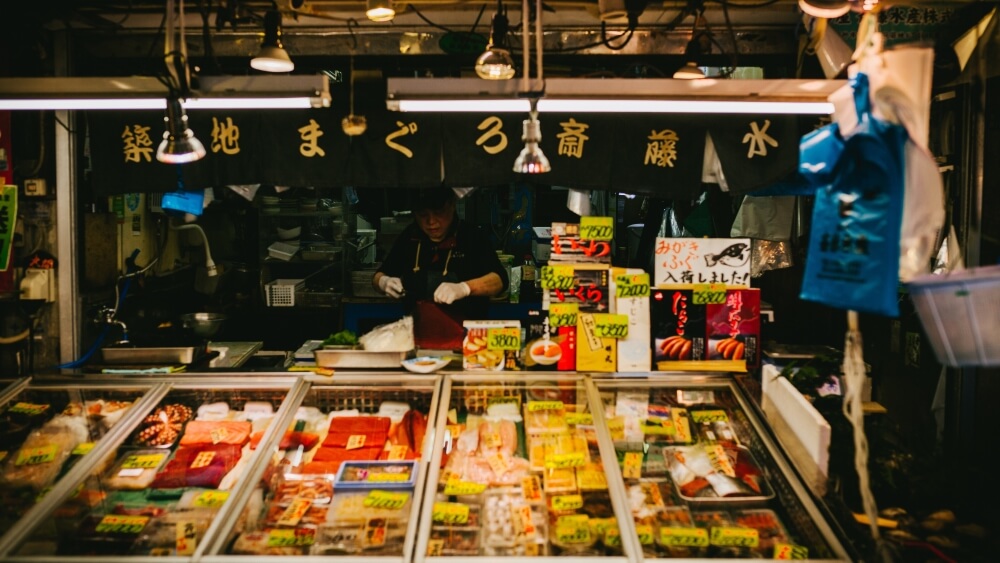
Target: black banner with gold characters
657,154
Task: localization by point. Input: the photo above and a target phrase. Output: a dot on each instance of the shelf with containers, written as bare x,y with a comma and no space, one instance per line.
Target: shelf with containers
302,234
165,476
703,478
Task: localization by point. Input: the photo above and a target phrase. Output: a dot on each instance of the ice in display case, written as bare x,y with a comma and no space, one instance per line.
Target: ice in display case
702,477
167,477
518,471
347,478
48,429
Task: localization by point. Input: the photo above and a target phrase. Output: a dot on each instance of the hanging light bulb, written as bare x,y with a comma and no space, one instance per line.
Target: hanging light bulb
272,56
532,160
380,10
496,63
825,8
690,71
179,144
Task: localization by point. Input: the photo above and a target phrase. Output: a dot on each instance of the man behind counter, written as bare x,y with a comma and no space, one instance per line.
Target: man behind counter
442,259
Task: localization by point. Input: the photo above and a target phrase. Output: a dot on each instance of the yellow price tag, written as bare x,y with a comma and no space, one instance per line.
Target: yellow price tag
456,487
597,228
591,479
563,314
211,499
739,537
573,533
645,533
187,535
709,294
684,537
535,406
557,277
789,551
434,548
612,536
682,425
579,418
295,511
567,502
297,537
506,338
28,408
563,461
143,461
119,524
36,456
657,426
388,477
714,415
632,466
632,285
391,500
83,449
450,513
611,326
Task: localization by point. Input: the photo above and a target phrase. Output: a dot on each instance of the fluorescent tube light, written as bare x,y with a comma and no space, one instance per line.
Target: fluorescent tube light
124,93
786,96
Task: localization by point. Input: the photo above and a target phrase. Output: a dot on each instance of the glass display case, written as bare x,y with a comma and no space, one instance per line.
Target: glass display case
702,477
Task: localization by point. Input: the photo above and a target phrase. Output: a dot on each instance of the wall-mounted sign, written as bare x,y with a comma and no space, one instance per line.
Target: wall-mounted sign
702,261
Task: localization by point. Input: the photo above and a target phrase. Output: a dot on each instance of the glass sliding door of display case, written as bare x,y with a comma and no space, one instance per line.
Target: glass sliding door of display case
169,479
702,477
347,478
518,472
48,432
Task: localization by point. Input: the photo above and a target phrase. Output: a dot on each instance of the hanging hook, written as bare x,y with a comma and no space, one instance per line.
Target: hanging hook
351,24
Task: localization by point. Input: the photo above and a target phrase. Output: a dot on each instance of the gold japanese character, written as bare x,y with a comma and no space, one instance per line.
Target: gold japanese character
404,129
759,139
571,140
310,135
661,150
494,128
136,144
225,136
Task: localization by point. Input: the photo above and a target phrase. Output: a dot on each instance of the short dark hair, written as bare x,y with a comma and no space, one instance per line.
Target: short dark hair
432,199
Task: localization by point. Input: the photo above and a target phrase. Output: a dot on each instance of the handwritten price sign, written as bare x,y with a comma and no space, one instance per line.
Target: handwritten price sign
450,512
557,277
709,294
632,285
739,537
116,524
563,314
611,326
597,228
503,339
683,537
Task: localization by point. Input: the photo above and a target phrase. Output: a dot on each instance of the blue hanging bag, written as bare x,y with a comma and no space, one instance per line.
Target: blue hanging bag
853,255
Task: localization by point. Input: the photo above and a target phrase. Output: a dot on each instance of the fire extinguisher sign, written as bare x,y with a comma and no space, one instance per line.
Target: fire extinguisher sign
8,215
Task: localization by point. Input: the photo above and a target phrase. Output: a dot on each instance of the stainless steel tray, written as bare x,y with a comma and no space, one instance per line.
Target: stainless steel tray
357,358
142,356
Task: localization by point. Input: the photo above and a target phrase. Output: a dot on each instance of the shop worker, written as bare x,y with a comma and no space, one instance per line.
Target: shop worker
442,259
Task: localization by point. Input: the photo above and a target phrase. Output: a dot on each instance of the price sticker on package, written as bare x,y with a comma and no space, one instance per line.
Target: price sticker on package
386,499
450,513
567,502
83,449
557,277
738,537
645,533
524,524
119,524
219,434
387,477
211,499
683,537
597,228
36,456
564,461
563,314
789,551
531,488
498,463
611,326
709,294
535,406
506,338
355,441
713,415
143,461
187,536
297,537
579,418
295,511
203,459
632,285
28,408
397,452
434,548
572,533
632,467
456,487
612,536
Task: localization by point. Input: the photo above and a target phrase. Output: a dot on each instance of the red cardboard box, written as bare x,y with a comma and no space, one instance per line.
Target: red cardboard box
733,327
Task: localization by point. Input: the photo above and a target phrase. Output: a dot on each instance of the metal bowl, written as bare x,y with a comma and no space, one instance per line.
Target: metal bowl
204,325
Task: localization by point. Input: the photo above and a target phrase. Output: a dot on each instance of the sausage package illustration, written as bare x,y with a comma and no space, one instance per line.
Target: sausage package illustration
678,327
733,327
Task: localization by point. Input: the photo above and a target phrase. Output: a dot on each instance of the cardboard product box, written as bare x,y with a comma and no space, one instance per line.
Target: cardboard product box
677,327
566,337
491,346
591,289
634,351
733,327
594,353
541,350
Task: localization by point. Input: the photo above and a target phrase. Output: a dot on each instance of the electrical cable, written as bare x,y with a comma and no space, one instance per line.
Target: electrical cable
606,41
429,22
479,16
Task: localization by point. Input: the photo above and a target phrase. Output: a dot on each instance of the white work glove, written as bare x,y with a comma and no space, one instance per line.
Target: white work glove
451,292
393,287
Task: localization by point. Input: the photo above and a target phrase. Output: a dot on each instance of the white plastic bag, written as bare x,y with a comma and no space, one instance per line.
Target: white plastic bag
392,337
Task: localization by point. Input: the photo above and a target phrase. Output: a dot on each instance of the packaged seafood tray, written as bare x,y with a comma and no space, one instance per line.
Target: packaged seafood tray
456,529
399,474
715,474
510,522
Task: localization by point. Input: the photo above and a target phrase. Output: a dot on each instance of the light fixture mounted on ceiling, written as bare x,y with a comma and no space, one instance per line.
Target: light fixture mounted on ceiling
272,56
496,63
531,160
825,8
689,71
179,144
380,10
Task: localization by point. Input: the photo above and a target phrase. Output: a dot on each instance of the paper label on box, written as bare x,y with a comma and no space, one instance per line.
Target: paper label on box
611,326
187,535
297,537
120,524
203,459
507,338
739,537
597,228
789,551
557,277
36,456
450,513
632,466
393,500
563,314
355,441
683,537
632,285
210,499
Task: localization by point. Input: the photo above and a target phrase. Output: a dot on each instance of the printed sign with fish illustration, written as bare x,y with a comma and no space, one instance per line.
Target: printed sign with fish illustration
702,261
